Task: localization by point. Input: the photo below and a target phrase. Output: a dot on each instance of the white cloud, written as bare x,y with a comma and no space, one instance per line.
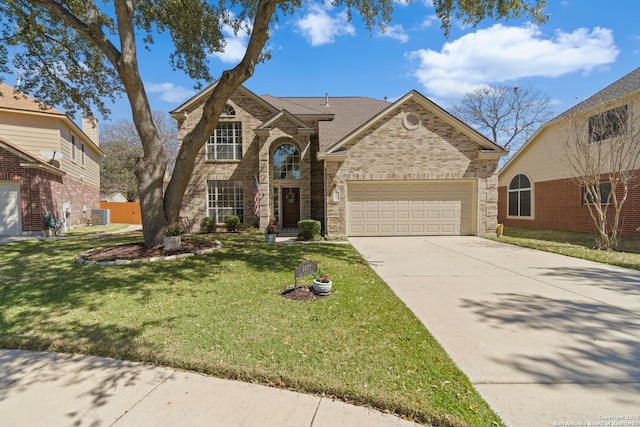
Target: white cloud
320,27
236,44
170,92
396,32
429,21
502,53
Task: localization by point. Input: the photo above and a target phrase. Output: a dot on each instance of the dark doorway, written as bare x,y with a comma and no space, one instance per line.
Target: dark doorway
290,207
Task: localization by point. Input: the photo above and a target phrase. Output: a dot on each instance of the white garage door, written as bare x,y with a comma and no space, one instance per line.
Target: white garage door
410,208
9,208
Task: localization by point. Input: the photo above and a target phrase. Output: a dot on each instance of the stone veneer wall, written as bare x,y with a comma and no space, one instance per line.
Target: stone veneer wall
257,153
433,151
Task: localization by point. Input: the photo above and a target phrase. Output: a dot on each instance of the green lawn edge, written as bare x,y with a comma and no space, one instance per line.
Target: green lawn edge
574,244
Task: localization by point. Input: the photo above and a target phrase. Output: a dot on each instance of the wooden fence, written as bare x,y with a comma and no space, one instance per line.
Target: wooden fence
123,212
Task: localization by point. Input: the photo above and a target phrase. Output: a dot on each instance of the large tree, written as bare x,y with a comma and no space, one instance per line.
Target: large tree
122,147
506,114
602,152
76,54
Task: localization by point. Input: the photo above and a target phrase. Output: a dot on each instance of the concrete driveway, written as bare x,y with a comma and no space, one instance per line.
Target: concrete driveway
546,339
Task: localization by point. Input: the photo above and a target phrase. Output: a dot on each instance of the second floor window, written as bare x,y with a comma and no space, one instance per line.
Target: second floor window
609,124
226,142
73,147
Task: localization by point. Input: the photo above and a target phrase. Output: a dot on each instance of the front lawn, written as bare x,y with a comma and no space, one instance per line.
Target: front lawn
222,314
574,244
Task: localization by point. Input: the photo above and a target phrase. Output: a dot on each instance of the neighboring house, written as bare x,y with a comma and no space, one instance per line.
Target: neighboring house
360,166
33,180
536,185
114,197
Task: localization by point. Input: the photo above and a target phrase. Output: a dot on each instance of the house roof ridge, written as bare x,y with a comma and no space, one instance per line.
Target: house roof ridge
625,85
17,100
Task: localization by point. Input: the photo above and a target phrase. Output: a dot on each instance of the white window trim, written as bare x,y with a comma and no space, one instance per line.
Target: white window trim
533,207
237,184
211,153
73,148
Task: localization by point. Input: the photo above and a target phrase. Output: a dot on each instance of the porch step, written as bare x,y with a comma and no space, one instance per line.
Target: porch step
288,232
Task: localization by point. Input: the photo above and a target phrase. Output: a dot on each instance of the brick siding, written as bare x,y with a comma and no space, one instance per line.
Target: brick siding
434,151
558,206
42,192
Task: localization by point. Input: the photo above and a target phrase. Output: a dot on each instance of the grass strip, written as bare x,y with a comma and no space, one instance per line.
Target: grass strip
574,244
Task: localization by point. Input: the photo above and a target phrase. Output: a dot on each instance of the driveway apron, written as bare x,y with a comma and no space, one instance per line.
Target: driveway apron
547,340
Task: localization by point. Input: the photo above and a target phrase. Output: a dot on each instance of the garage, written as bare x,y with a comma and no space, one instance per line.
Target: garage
416,208
9,208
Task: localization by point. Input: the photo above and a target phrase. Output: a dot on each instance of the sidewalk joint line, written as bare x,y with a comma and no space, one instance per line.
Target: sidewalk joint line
313,420
141,399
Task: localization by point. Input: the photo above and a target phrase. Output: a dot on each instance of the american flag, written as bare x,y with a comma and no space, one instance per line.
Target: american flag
257,194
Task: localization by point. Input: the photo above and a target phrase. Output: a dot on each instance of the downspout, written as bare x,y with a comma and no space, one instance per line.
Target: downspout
324,190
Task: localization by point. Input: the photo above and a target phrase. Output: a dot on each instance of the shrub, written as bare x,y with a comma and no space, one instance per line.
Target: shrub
208,225
174,229
309,229
232,222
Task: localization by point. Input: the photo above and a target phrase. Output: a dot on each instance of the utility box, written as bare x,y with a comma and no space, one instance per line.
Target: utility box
100,216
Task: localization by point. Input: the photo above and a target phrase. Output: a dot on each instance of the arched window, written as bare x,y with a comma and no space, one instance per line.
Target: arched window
520,196
228,110
286,162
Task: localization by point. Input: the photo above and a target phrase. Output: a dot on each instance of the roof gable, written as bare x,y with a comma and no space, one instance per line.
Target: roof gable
337,116
284,115
414,95
32,161
627,86
201,97
17,102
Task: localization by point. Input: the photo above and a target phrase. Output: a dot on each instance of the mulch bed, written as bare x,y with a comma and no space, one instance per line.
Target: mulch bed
139,250
301,293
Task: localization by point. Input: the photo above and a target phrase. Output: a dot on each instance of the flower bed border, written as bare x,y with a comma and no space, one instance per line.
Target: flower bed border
83,258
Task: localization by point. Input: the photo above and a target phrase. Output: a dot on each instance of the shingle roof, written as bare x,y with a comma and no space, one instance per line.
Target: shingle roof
11,100
349,113
624,86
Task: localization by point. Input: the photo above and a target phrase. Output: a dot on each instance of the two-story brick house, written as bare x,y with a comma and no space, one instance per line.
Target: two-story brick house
48,164
361,166
537,187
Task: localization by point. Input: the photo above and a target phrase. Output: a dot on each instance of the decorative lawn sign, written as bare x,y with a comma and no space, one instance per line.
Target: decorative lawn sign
306,268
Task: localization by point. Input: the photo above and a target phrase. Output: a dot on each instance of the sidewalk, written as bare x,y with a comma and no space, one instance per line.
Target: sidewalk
51,389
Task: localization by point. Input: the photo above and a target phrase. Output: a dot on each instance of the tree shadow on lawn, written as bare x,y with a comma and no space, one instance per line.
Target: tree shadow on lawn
591,342
40,281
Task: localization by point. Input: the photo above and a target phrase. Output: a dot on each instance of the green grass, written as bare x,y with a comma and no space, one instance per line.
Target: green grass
222,314
94,229
574,244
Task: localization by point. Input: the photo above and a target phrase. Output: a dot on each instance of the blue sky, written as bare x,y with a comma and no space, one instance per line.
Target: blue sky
583,47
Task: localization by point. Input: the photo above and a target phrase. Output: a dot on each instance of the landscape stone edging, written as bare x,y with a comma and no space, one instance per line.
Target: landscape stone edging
82,258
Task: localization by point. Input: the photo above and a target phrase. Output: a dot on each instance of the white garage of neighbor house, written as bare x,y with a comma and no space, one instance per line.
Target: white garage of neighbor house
10,207
360,166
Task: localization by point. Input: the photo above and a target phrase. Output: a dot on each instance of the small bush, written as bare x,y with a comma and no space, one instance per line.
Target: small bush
208,225
232,222
309,229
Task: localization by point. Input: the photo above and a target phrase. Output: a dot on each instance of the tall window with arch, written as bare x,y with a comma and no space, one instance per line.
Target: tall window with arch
520,196
286,162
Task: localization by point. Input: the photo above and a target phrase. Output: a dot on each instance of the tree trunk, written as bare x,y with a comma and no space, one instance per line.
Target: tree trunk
150,176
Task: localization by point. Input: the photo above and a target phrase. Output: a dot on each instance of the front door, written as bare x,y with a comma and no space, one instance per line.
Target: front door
290,207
